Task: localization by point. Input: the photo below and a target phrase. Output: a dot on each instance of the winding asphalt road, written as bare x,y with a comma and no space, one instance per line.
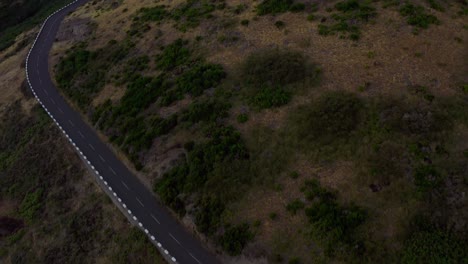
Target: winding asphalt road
175,243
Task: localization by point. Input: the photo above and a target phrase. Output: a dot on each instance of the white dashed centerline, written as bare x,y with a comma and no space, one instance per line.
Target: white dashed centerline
103,160
139,202
126,186
174,238
113,171
155,219
71,123
91,146
81,134
194,258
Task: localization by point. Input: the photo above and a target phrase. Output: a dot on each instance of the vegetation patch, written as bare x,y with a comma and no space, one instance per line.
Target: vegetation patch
416,16
278,6
348,13
200,78
333,224
235,238
81,73
189,14
173,55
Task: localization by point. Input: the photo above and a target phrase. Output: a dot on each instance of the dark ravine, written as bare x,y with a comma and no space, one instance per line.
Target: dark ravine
171,238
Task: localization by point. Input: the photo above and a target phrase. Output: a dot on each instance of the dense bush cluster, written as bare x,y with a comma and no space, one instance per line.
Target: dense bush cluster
189,14
200,77
143,16
82,73
278,6
199,174
416,16
128,128
333,223
350,11
173,55
235,238
429,243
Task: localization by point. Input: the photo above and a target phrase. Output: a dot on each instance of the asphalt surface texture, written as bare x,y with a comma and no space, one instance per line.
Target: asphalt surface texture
151,216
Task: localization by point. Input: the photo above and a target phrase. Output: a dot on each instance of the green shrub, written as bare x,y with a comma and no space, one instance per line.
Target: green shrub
313,190
31,205
279,24
239,9
427,177
200,78
154,14
269,97
297,7
173,55
434,4
198,174
273,7
242,118
273,216
294,260
171,185
207,111
209,213
351,11
295,206
416,16
235,238
335,223
311,17
245,22
134,66
434,246
189,14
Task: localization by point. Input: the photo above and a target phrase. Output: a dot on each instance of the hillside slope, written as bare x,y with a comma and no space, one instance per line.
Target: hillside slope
286,131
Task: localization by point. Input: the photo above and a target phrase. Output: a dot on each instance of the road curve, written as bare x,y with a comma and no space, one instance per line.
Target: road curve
175,243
